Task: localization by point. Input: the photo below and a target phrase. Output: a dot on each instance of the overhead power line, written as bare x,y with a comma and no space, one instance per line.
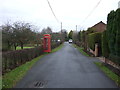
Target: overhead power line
53,12
92,11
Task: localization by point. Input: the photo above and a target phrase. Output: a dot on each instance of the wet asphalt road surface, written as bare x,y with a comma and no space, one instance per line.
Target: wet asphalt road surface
66,68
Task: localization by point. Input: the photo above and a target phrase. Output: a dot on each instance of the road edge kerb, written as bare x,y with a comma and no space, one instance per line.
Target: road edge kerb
78,48
116,82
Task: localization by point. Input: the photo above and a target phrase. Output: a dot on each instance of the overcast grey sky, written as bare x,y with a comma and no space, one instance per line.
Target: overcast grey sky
69,12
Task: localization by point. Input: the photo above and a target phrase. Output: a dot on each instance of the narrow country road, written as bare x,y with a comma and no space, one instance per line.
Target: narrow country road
66,68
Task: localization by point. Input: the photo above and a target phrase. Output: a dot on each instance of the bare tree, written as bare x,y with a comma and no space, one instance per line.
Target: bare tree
47,30
64,35
22,33
6,36
75,36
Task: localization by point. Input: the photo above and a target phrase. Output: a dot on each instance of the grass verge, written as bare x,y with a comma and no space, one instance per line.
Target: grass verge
58,48
81,50
10,79
19,48
0,82
109,73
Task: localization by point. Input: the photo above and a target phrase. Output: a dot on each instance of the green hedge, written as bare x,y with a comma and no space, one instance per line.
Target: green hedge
13,59
113,33
115,58
93,39
117,43
105,48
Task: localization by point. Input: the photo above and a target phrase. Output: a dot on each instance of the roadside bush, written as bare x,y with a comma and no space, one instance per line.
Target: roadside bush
13,59
93,39
78,43
105,48
115,59
55,44
113,33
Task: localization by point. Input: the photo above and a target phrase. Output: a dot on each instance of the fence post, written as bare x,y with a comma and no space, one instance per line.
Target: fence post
96,49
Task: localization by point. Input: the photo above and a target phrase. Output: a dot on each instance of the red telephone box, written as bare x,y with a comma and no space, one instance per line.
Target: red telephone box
47,43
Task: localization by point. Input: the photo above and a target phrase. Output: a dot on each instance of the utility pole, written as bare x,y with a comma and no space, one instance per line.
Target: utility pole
61,27
75,36
61,31
76,28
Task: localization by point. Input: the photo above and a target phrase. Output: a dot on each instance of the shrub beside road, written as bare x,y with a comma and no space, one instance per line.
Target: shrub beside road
12,77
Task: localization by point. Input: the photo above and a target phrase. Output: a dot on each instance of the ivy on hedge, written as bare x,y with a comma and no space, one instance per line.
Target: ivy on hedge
94,38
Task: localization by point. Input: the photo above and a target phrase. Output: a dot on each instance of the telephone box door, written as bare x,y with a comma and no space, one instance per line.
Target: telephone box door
47,43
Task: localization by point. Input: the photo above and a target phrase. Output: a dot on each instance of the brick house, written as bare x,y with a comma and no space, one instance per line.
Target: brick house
99,27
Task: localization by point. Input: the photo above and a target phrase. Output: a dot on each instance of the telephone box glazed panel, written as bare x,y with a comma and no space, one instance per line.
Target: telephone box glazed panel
47,43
